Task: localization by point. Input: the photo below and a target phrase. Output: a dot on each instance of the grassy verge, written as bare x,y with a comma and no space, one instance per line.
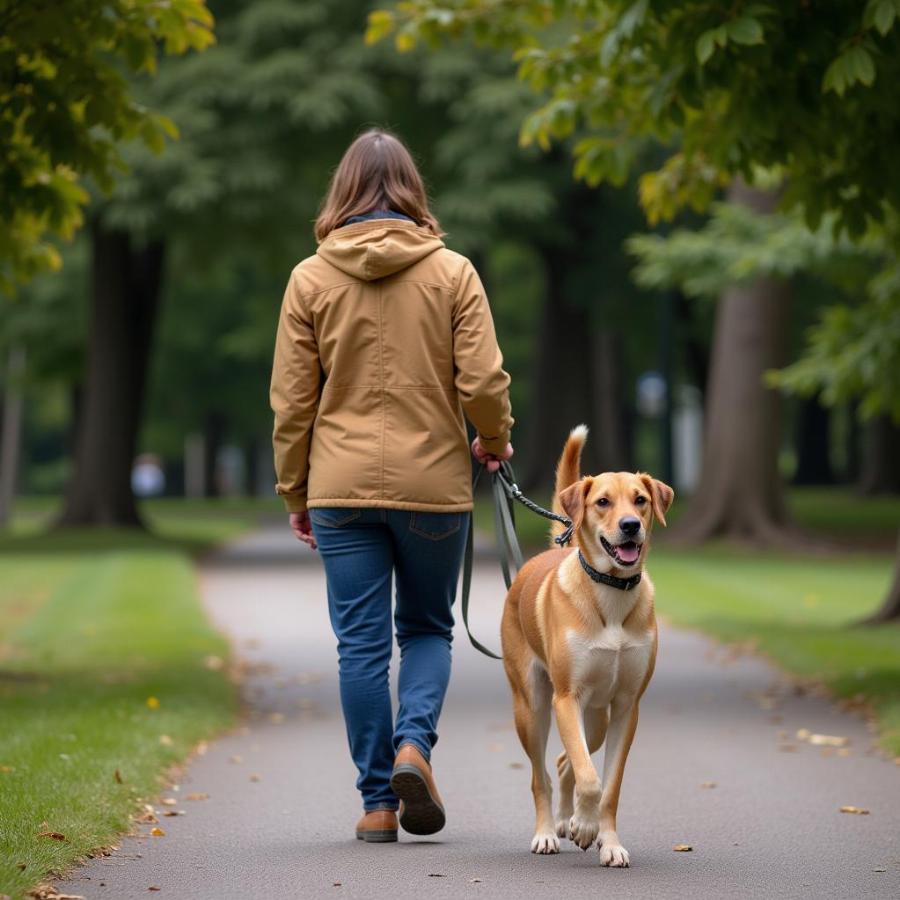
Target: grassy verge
800,611
103,649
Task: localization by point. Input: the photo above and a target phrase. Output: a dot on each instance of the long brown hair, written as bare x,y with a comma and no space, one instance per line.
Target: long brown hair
376,172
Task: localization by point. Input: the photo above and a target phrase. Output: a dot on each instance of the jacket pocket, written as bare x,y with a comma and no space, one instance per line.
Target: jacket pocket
333,516
435,526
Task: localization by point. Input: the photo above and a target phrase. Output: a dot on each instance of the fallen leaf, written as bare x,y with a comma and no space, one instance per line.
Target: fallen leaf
335,884
157,832
153,887
436,875
828,740
879,870
173,812
822,740
55,835
197,797
236,759
707,784
855,810
153,702
276,718
169,801
256,778
147,817
474,881
201,748
787,748
117,775
214,663
682,848
516,765
165,740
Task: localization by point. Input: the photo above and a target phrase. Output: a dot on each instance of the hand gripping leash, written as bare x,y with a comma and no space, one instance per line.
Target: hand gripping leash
505,491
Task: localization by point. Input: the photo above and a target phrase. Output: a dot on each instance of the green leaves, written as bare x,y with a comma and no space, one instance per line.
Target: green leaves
854,65
743,30
881,15
66,107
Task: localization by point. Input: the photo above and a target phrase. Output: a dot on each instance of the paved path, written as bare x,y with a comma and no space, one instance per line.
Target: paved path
770,828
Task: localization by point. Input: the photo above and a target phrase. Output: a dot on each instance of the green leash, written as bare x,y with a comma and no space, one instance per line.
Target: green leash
505,491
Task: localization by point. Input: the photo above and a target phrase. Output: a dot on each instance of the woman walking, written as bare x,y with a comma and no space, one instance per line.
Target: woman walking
385,339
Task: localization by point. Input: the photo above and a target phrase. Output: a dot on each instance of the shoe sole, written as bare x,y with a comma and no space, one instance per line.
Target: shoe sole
422,814
377,837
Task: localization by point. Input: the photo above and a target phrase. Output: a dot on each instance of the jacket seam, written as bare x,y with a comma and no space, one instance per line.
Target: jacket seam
390,387
381,379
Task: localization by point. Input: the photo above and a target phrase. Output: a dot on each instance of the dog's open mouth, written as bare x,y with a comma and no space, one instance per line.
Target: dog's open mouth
626,554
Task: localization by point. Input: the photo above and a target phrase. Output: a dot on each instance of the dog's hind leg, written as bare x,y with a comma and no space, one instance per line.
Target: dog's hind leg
595,722
532,714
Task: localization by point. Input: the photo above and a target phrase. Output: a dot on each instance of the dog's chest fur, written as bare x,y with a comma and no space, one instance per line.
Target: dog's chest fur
607,660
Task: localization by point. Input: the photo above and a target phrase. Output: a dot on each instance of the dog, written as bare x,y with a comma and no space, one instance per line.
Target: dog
579,637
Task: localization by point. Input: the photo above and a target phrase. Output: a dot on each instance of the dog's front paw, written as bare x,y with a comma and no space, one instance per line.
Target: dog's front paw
583,830
545,842
615,855
562,826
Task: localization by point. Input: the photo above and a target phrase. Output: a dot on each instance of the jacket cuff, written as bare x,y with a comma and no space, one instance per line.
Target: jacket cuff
495,445
294,503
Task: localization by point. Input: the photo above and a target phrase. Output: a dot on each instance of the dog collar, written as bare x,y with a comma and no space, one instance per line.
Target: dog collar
623,584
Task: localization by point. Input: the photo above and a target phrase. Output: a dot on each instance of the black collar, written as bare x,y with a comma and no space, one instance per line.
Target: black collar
623,584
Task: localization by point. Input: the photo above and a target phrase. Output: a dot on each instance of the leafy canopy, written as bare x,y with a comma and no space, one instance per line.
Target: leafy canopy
853,350
66,105
807,88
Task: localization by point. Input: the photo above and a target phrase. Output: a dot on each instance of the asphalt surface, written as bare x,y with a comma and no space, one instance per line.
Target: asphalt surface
279,818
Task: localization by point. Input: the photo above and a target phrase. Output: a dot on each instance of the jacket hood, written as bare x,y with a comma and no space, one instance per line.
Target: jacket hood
377,248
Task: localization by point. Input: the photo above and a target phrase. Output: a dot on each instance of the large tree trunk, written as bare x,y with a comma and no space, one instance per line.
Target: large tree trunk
214,434
813,443
880,472
741,493
11,432
126,282
890,609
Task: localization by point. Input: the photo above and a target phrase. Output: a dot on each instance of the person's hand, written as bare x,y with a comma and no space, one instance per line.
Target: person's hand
302,528
490,460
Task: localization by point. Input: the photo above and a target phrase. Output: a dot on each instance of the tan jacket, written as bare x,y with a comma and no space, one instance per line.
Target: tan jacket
385,339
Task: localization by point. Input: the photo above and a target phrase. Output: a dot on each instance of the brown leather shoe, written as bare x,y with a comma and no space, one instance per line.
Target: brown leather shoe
421,809
378,826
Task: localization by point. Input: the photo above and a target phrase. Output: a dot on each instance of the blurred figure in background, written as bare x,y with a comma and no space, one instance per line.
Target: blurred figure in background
385,339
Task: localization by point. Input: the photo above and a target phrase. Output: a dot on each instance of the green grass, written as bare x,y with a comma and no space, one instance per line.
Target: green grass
799,610
91,626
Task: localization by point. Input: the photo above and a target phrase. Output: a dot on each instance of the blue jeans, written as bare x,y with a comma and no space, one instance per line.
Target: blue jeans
362,550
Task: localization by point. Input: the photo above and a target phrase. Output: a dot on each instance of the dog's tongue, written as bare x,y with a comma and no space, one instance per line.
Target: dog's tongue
628,553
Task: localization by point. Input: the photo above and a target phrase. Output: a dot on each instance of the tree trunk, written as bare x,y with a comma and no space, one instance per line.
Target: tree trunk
11,433
890,609
813,436
741,493
880,473
213,436
125,289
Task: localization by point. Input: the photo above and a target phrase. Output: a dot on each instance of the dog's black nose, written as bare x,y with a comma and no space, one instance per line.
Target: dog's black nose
630,525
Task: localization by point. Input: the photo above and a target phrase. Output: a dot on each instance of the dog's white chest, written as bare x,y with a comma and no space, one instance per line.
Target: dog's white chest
606,662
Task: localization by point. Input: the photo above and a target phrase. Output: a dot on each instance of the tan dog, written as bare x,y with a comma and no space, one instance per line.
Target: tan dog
579,637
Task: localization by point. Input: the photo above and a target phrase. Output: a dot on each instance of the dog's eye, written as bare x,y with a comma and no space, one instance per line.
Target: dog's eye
640,501
603,502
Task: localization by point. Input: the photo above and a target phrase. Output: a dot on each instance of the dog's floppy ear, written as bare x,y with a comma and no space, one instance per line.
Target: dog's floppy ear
572,500
661,497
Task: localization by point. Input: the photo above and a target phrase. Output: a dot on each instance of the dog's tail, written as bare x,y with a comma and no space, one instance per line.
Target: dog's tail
568,471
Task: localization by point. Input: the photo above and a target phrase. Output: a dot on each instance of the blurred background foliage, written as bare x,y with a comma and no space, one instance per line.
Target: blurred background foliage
155,336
